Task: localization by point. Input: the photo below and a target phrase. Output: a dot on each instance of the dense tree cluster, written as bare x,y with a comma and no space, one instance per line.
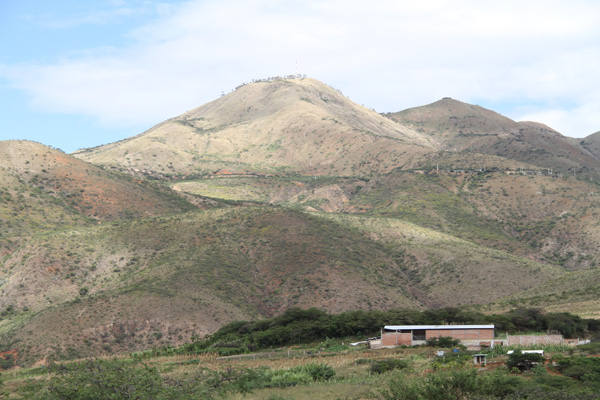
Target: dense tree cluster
297,326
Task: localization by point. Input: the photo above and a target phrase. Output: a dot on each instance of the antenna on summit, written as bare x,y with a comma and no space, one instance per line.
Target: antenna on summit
296,67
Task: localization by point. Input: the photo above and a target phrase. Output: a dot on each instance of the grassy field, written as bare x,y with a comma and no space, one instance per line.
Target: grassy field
354,373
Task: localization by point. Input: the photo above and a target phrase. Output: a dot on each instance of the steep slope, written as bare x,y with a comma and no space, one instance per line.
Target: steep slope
544,218
448,271
44,190
464,127
592,144
291,125
85,188
127,285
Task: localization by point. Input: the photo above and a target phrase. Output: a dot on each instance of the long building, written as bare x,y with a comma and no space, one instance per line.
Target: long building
413,335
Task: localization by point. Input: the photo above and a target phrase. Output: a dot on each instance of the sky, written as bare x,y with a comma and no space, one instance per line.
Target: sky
81,74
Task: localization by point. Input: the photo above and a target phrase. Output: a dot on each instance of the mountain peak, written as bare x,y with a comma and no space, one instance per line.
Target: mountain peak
297,125
461,127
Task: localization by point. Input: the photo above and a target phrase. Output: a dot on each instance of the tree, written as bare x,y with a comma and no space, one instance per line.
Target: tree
104,379
524,361
447,342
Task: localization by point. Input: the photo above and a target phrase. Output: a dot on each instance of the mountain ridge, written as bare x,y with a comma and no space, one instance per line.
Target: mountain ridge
461,127
286,194
251,129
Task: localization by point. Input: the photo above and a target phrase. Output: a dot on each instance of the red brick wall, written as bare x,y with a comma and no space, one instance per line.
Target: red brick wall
462,334
393,339
528,340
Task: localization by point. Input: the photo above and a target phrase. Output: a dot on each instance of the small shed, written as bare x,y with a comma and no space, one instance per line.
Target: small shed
479,359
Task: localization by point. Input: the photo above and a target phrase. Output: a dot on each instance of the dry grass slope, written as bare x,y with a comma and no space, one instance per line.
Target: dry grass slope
161,280
461,127
297,125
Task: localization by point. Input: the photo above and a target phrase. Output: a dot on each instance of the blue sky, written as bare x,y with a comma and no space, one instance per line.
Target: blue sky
81,74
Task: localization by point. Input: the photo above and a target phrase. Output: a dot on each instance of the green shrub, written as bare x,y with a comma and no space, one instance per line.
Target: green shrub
590,348
7,362
552,382
389,364
523,361
499,383
120,380
299,375
443,341
319,371
104,379
447,385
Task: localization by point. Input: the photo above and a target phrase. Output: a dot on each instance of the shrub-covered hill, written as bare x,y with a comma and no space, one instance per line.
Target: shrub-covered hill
154,281
44,190
132,285
545,218
592,144
460,127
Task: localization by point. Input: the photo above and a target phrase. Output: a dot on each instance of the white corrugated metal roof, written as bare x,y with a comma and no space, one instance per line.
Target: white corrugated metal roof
413,327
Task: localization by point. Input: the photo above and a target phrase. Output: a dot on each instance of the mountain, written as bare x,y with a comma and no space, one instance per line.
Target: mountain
592,144
132,285
138,281
165,279
44,190
286,194
284,126
462,127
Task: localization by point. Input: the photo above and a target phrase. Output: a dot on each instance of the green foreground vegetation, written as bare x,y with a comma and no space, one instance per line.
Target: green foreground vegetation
306,353
297,326
347,373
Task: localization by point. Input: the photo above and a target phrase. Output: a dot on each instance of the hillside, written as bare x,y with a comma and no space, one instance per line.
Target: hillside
284,126
592,144
85,188
44,190
285,194
544,218
127,285
462,127
134,285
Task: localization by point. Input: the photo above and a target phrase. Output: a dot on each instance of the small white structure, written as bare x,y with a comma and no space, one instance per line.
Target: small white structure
540,352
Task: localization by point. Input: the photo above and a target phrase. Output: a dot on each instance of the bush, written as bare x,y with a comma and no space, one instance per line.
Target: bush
390,364
104,379
299,375
318,371
524,361
499,383
7,361
120,380
443,341
580,368
590,348
448,385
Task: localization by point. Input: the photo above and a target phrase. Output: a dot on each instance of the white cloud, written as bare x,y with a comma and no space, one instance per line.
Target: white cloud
577,122
384,54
